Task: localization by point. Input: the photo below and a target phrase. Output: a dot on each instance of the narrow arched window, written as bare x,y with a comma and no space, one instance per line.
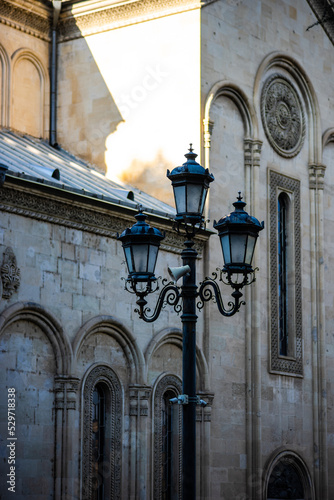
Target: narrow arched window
167,452
286,354
283,263
167,441
100,455
102,436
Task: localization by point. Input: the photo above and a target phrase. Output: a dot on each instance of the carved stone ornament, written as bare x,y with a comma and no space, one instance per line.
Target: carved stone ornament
10,274
282,116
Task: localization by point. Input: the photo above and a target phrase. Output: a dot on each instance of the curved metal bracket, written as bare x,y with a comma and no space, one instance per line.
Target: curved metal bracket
169,295
209,290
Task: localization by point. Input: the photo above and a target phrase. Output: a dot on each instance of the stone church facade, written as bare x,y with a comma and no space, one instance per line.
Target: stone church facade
99,95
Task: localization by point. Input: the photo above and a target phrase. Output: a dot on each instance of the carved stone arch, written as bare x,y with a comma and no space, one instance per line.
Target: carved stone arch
102,374
281,463
29,311
174,336
327,137
239,98
165,383
4,87
28,55
111,326
290,66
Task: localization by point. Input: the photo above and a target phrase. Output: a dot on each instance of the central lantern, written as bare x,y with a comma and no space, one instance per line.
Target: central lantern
190,184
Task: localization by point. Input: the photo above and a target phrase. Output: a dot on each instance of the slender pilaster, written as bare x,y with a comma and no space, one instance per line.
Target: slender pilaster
139,410
316,184
252,155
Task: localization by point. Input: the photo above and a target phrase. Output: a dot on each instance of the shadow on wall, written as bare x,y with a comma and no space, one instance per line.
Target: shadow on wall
87,113
110,86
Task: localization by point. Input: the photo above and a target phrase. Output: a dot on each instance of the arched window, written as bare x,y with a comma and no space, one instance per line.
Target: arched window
167,440
285,276
285,482
287,477
102,436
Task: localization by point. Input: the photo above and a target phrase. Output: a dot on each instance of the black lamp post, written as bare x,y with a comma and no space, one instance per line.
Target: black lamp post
238,233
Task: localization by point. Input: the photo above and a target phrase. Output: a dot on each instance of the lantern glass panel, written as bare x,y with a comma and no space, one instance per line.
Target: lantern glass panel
205,192
194,198
225,242
250,249
140,255
238,248
128,257
152,258
180,199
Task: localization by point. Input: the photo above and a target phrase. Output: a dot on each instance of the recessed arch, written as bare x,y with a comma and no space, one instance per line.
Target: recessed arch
47,322
28,115
174,336
236,94
287,460
4,87
110,470
292,66
327,137
112,327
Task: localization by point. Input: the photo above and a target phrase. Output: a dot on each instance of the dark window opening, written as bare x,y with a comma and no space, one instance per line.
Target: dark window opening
282,276
99,457
285,483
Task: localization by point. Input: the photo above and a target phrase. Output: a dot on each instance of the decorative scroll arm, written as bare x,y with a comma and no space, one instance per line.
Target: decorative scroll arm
209,290
169,295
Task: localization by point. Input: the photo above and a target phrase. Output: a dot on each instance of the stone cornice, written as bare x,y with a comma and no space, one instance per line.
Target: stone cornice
83,214
31,17
90,17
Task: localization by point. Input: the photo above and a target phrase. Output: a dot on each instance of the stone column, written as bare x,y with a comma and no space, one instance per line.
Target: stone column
67,437
139,448
316,184
203,416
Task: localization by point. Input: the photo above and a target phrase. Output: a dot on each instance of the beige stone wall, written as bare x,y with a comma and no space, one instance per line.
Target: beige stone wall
24,82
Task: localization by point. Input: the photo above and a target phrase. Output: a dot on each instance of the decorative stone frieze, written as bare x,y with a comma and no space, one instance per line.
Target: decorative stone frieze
88,19
316,176
27,17
282,116
69,214
10,274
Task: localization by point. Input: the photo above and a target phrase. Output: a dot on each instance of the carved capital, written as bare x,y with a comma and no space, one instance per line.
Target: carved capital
208,127
66,390
316,176
139,400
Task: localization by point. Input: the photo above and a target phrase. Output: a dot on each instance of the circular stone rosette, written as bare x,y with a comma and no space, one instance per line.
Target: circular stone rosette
282,116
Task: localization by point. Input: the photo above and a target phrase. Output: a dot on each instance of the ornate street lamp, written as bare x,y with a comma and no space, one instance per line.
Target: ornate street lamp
190,185
238,233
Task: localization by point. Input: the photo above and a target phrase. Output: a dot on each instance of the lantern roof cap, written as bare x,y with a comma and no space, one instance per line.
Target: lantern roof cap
141,228
239,216
190,167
